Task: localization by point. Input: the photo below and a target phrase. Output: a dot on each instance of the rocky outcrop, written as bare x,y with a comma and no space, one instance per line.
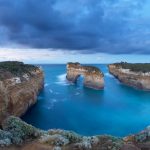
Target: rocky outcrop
19,87
93,77
18,135
130,76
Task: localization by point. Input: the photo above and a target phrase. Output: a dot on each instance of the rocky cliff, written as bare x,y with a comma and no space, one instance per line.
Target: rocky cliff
19,87
18,135
135,75
93,77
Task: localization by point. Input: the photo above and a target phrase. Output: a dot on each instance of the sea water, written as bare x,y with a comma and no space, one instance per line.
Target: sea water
117,110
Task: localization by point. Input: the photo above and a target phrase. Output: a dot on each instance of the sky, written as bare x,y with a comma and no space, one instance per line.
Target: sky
88,31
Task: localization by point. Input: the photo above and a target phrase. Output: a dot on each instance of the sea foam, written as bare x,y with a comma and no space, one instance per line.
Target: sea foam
61,80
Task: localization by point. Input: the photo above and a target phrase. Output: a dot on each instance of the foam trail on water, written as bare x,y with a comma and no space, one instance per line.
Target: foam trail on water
61,79
77,93
46,84
108,75
51,91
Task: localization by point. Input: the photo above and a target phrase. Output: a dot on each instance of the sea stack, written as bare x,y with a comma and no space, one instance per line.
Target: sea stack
19,86
136,75
93,77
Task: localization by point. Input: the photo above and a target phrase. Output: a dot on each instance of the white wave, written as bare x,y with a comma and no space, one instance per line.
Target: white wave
77,93
108,75
61,79
46,84
51,91
51,104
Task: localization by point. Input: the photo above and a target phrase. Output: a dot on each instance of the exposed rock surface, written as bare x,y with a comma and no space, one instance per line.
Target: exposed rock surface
18,135
19,87
93,77
132,76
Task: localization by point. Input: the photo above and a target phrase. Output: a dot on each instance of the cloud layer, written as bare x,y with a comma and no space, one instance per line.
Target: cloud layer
45,56
88,26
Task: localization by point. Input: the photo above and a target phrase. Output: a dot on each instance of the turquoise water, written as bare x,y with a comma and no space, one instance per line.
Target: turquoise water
117,110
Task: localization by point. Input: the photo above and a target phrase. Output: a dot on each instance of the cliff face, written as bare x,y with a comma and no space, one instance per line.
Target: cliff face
135,79
93,77
19,87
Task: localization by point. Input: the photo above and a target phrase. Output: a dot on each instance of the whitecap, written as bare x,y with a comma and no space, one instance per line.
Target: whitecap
77,93
51,91
61,80
46,84
108,75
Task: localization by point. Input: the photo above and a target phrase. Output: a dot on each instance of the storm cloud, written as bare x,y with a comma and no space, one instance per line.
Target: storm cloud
87,26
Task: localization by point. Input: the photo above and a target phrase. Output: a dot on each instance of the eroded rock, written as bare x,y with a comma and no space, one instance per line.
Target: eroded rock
19,87
93,77
135,77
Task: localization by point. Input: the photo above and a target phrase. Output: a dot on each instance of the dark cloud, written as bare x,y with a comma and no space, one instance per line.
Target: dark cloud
112,26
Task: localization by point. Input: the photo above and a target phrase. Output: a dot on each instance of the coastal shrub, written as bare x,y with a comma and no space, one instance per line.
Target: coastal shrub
20,130
56,140
110,142
85,143
15,68
143,136
57,148
137,67
70,135
5,138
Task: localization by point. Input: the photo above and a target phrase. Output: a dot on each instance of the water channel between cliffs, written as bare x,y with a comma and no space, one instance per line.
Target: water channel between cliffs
117,110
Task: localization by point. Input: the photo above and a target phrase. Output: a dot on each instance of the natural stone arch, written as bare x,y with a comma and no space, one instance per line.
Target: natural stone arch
93,77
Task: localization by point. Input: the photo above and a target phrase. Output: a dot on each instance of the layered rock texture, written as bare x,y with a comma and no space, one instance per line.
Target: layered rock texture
93,77
19,87
135,75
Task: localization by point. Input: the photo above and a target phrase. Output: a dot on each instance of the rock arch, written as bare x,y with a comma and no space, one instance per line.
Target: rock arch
93,77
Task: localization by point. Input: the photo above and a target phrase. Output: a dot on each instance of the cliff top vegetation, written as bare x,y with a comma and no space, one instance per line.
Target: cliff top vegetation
15,68
90,69
136,67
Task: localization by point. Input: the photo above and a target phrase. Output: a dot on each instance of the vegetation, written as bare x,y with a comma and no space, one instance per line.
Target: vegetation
92,68
5,138
15,131
15,68
86,67
136,67
72,136
18,131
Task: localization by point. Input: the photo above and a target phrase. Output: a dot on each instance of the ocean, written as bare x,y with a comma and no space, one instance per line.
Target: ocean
118,110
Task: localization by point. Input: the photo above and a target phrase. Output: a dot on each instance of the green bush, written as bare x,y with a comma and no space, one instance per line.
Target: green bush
136,67
20,130
15,68
5,138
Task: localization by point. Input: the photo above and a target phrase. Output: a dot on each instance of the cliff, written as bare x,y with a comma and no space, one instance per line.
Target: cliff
135,75
93,77
19,87
18,135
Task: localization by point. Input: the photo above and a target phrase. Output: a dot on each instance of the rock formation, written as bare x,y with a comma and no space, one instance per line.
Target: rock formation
18,135
19,87
93,77
135,75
